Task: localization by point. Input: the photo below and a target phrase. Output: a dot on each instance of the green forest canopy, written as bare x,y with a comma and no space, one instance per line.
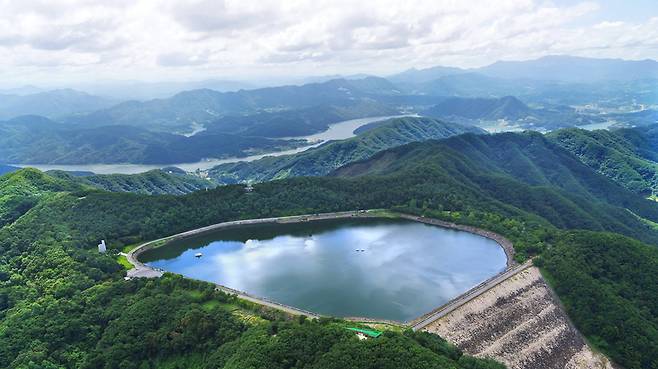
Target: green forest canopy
64,306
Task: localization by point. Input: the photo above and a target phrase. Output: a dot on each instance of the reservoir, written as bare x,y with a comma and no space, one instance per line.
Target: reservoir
374,268
336,131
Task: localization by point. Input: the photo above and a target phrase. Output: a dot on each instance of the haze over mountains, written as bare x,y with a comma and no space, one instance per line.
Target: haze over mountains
219,184
51,104
544,95
324,159
562,68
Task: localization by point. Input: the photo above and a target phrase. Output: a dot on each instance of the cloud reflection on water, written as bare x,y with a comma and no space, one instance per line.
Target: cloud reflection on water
405,270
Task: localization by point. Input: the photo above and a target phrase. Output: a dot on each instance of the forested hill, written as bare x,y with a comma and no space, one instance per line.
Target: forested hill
521,169
64,306
51,284
607,284
507,107
155,182
628,156
521,185
289,123
478,110
20,191
322,160
205,106
38,140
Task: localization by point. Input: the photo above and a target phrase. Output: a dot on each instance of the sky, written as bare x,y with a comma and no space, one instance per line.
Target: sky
69,41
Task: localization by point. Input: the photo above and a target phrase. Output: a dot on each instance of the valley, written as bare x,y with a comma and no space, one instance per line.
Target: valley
204,128
336,131
488,217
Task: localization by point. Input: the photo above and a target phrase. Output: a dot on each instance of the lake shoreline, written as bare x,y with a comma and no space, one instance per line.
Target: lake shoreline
336,131
142,270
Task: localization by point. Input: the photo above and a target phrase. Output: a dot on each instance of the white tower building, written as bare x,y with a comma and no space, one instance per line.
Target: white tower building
101,247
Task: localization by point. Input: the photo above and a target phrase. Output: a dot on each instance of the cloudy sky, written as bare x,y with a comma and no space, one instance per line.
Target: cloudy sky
55,41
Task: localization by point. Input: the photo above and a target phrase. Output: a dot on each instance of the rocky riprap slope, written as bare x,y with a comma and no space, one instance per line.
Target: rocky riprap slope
520,323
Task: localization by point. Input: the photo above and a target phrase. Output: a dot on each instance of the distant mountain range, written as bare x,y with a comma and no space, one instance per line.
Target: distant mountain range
561,68
544,94
510,110
325,158
204,106
138,90
300,122
52,104
573,69
38,140
170,181
414,75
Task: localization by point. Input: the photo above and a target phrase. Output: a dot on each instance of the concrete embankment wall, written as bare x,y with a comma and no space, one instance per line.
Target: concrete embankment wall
520,323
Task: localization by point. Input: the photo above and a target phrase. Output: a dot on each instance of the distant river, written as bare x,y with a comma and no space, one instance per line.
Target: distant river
406,269
337,131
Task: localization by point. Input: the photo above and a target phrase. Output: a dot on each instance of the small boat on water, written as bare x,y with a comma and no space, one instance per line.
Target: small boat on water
198,255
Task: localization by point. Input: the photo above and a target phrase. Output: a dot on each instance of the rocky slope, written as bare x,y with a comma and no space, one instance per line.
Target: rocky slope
520,323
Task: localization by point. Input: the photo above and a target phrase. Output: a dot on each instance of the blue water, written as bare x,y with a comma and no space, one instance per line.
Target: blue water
406,269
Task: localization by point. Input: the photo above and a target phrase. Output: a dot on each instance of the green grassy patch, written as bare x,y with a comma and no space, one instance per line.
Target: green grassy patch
383,213
248,317
160,243
124,262
648,222
386,327
195,295
212,305
380,326
128,248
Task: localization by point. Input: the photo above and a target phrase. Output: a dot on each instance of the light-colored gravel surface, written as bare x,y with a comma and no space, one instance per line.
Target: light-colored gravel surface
519,323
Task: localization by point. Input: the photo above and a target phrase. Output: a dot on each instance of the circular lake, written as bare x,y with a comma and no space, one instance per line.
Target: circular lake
375,268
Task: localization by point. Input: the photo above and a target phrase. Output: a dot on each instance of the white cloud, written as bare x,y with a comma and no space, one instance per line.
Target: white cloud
177,59
161,39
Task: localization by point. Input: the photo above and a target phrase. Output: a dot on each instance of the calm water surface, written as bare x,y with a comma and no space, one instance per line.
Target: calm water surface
406,269
336,131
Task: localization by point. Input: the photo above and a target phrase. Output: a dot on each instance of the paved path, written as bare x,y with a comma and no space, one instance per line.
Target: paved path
476,291
140,270
263,301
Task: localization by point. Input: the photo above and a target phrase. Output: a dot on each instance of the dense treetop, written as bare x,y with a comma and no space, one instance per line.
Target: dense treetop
62,305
